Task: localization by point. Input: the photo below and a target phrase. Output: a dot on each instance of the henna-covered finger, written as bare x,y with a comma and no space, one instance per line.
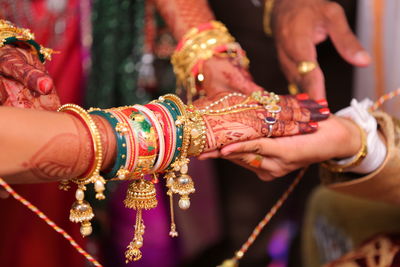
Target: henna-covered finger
15,63
302,101
288,128
295,114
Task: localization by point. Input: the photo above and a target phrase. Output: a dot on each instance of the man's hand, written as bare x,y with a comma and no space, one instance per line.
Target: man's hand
298,26
271,158
24,81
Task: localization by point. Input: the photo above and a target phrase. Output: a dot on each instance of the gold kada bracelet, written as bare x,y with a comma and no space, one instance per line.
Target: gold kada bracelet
333,166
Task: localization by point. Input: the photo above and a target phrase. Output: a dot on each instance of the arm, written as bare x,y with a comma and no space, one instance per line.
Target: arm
182,15
43,146
40,146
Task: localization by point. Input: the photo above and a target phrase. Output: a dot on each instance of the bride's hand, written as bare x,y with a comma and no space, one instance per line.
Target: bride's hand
224,75
298,115
24,81
270,158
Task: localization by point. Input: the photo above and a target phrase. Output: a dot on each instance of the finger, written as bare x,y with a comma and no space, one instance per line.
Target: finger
210,155
289,128
342,36
302,48
14,64
303,114
303,101
261,146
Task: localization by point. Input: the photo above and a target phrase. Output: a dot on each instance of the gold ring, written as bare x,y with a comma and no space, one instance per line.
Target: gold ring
256,162
305,67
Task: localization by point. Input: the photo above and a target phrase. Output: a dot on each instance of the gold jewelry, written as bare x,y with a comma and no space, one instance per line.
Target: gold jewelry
81,210
305,67
11,34
267,17
141,195
181,183
333,166
198,132
198,45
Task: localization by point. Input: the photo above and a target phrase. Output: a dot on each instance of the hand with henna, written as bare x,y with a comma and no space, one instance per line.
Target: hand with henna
298,115
24,81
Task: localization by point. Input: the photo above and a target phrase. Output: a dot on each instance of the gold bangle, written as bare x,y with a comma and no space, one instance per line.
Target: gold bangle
197,132
267,18
81,211
333,166
94,173
9,34
198,45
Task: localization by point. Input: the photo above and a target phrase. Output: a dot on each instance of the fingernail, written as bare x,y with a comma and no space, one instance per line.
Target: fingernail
324,111
322,102
362,57
302,96
313,125
45,85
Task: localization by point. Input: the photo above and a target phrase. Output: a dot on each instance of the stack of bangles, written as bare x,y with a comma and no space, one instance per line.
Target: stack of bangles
198,45
152,139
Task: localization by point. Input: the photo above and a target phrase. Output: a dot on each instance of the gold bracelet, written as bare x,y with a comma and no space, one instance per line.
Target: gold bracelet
198,45
10,34
333,166
267,18
197,132
81,211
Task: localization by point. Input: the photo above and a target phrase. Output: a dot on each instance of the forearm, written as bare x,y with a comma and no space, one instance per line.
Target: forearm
39,146
181,15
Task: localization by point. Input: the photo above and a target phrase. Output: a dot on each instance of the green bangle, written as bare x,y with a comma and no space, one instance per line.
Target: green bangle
174,110
120,159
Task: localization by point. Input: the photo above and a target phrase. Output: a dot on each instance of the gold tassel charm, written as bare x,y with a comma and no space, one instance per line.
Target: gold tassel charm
81,212
182,184
141,195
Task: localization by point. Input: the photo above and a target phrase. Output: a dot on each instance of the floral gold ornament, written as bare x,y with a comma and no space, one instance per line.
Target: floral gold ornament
10,34
141,195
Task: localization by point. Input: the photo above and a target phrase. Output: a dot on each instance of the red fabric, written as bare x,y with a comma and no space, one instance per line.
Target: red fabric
25,240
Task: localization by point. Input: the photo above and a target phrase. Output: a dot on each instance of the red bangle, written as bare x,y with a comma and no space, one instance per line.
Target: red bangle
169,133
89,170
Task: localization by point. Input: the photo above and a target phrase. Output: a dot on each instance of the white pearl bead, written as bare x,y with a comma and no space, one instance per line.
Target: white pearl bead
79,194
184,204
99,186
138,243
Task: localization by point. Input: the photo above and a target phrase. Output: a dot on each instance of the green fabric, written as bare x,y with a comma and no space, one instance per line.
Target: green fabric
116,51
